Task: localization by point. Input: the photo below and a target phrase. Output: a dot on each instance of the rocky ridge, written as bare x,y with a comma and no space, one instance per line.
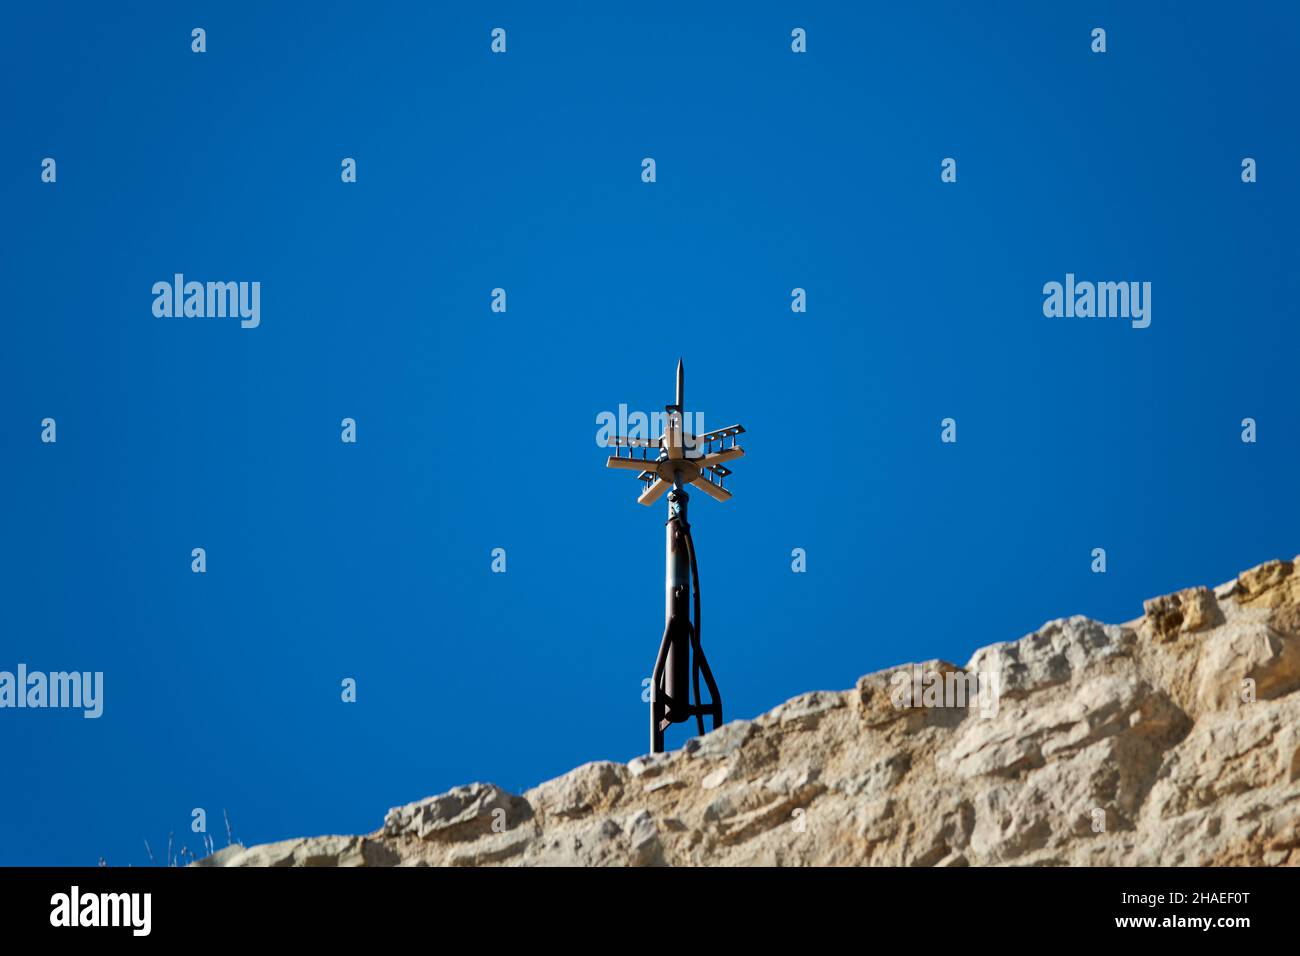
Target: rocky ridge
1173,739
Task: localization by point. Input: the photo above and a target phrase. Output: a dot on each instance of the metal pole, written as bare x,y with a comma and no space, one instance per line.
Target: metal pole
681,661
677,593
672,704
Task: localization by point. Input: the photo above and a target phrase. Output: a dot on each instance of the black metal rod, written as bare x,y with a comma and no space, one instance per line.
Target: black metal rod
702,662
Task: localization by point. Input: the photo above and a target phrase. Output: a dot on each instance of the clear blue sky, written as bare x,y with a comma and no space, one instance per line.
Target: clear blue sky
477,430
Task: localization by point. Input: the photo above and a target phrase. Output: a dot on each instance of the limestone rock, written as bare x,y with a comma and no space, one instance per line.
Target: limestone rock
579,792
1183,612
309,851
463,813
1173,739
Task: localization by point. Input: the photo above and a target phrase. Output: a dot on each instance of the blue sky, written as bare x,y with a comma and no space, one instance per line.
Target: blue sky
477,430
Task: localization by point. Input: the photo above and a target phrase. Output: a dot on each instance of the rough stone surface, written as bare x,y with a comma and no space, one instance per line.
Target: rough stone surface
1173,739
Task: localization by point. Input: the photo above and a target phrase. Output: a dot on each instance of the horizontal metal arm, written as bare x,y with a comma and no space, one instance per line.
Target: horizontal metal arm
656,491
627,464
718,457
716,492
731,431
